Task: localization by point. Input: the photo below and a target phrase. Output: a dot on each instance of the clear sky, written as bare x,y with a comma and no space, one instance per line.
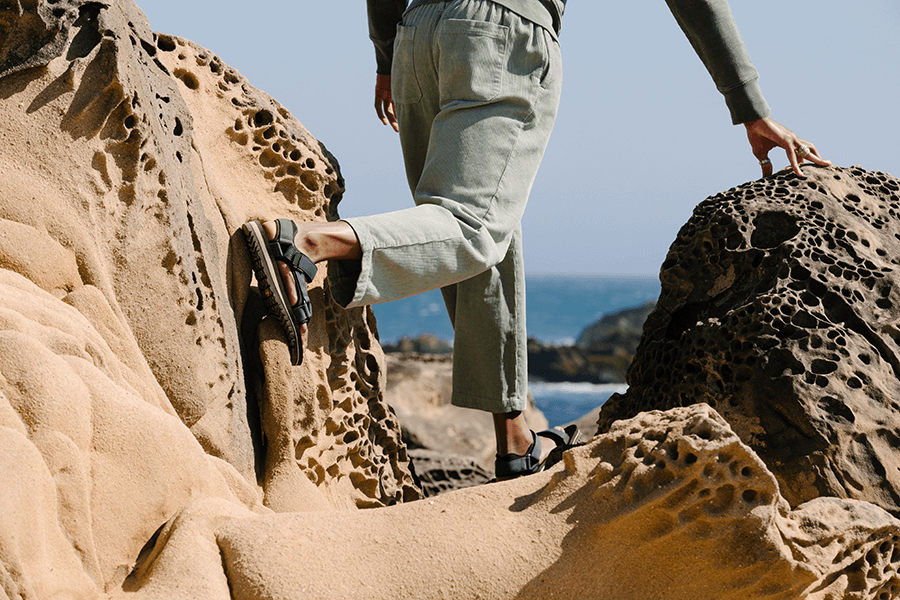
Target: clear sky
642,135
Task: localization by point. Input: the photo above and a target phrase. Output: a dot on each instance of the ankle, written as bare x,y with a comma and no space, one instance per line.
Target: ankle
309,243
513,434
322,241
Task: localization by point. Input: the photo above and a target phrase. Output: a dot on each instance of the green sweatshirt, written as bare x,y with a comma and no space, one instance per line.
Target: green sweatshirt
708,24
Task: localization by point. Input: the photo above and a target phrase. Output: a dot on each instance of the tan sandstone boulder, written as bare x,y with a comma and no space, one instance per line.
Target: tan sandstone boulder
134,360
666,505
130,160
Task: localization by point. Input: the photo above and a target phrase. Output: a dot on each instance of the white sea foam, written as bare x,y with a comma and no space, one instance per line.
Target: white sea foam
571,388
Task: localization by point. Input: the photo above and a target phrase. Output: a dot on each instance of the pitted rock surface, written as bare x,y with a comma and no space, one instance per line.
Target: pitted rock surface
780,307
665,505
439,473
128,162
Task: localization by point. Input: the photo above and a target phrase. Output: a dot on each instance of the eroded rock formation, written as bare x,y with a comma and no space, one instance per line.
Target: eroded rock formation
780,307
127,315
666,505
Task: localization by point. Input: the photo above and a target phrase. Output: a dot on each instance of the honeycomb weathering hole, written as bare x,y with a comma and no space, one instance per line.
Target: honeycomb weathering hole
189,79
165,43
263,118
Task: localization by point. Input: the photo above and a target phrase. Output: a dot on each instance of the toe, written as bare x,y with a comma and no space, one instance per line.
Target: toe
288,280
271,229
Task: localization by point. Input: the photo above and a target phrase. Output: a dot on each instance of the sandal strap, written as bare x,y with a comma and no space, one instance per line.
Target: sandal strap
554,436
571,439
283,249
513,465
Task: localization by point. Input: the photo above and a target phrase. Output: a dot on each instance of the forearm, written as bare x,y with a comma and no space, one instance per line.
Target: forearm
712,31
383,18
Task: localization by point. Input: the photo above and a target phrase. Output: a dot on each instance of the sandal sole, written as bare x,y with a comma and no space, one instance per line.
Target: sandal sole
275,296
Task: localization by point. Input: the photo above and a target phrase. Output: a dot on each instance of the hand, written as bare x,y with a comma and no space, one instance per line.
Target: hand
384,102
765,134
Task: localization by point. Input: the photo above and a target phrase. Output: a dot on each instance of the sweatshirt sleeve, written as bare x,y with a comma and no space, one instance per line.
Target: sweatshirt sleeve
383,18
712,31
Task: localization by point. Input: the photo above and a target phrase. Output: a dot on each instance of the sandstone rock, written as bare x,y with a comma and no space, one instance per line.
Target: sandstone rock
134,360
130,160
439,473
150,424
666,505
779,307
115,465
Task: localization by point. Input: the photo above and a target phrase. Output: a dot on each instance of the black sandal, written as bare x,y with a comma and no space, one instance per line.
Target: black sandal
510,466
265,254
571,439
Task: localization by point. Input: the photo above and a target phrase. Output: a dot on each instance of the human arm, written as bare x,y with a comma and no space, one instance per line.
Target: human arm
383,18
711,30
710,27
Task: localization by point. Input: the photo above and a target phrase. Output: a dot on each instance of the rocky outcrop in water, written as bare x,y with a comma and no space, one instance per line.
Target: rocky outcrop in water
616,334
780,307
602,354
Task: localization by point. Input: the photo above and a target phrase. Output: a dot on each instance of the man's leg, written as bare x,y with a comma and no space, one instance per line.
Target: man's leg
487,310
477,88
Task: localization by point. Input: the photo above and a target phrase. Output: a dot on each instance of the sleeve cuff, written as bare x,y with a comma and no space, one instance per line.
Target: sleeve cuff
746,102
384,56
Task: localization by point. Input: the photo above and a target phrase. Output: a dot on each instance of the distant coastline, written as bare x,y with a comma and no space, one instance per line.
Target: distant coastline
559,306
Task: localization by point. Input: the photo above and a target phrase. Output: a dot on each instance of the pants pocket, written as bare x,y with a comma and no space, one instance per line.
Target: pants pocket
472,59
404,83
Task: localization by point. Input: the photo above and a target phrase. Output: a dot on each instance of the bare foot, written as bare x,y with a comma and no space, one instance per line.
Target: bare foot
287,277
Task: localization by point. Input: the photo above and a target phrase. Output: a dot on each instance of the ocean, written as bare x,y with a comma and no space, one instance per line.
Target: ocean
558,307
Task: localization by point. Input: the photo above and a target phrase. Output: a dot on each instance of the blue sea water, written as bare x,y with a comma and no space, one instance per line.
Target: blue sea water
558,307
563,403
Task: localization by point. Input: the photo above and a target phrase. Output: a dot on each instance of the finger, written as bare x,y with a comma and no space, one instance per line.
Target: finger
815,157
392,117
379,110
808,151
793,159
766,165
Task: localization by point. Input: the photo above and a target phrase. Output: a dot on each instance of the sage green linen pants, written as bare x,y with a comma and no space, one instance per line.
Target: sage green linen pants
476,89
